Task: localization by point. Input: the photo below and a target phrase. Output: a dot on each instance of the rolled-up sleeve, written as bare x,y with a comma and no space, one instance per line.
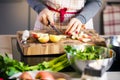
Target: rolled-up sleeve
37,5
89,11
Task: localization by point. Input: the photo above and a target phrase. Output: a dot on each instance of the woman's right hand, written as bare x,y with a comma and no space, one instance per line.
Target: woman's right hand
46,16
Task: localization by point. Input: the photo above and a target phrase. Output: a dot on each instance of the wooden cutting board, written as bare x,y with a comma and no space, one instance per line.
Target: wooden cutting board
37,48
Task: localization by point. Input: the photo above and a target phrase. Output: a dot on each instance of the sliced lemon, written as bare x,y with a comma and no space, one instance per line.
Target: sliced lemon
55,38
44,38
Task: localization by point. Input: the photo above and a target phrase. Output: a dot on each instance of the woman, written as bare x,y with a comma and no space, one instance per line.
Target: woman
68,14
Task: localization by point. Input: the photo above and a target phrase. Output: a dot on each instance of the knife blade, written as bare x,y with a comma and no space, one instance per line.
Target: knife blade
55,29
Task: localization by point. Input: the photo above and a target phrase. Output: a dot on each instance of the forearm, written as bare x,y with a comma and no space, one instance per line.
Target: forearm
89,11
37,5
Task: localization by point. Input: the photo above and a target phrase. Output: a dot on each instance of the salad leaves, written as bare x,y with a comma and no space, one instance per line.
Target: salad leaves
87,52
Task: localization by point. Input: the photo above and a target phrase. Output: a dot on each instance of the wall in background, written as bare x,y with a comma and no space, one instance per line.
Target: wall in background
13,16
33,16
97,22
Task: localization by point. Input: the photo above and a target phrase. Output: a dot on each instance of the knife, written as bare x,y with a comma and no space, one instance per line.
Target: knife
54,28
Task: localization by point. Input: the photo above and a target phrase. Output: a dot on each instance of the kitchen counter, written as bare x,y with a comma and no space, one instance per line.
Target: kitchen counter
6,45
106,76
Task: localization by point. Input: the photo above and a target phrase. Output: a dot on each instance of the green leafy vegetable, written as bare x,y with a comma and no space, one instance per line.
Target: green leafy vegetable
87,52
9,66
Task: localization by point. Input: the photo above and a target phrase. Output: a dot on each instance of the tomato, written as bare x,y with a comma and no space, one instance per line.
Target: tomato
25,76
44,75
36,35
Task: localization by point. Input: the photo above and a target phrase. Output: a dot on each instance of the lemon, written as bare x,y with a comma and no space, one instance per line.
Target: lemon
44,38
55,38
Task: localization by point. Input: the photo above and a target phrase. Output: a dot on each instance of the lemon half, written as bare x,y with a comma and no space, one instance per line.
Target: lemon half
54,38
44,38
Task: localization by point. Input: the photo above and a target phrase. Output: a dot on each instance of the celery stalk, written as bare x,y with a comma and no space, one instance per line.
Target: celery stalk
11,66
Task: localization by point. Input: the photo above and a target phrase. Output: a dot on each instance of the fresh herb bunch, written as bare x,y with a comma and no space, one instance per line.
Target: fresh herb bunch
9,67
87,52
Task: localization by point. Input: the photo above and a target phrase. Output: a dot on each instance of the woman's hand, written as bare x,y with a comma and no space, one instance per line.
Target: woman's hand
46,16
74,26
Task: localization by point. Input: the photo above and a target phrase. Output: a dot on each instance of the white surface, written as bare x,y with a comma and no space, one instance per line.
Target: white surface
107,76
113,75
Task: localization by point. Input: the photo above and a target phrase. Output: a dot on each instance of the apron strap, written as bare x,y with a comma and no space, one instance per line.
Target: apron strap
62,12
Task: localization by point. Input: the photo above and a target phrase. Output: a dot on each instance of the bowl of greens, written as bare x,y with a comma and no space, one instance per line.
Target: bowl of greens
83,56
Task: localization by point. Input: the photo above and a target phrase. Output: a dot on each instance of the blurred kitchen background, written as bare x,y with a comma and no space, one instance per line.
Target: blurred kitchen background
16,15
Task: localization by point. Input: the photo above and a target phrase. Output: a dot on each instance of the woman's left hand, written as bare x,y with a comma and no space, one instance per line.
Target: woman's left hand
74,26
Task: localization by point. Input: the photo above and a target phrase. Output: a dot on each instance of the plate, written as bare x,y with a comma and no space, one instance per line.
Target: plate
56,75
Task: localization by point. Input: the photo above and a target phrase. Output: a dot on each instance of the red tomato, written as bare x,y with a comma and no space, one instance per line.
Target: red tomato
44,75
36,35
